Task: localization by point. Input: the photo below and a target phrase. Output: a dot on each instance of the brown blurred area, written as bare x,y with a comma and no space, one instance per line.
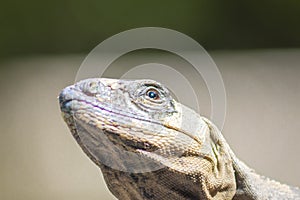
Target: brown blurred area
41,160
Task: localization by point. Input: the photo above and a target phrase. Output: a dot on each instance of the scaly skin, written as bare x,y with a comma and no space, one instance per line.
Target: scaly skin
149,146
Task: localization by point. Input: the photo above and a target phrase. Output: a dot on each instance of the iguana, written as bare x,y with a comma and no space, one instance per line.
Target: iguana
148,146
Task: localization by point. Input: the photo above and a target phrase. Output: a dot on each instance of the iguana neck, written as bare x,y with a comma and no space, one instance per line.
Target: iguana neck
250,185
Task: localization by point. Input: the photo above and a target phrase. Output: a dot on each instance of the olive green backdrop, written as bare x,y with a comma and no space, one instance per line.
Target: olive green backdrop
72,26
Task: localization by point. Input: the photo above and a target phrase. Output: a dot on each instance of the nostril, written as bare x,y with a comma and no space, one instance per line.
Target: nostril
90,87
93,87
92,84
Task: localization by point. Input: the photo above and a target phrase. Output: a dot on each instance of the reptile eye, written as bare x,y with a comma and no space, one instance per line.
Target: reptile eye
153,94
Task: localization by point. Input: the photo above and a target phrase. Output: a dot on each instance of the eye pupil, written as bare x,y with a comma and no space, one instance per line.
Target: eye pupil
152,94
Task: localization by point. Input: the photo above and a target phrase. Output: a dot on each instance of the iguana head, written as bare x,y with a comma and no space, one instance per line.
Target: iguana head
135,126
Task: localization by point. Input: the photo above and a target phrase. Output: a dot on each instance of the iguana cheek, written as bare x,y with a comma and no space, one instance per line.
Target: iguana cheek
190,124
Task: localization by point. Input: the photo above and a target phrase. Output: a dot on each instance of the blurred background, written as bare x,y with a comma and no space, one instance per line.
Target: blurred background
42,44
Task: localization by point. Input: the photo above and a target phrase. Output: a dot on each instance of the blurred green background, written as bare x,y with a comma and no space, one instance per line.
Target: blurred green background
255,45
72,26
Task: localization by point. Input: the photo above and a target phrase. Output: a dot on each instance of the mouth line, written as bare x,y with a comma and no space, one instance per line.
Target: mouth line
122,114
96,106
